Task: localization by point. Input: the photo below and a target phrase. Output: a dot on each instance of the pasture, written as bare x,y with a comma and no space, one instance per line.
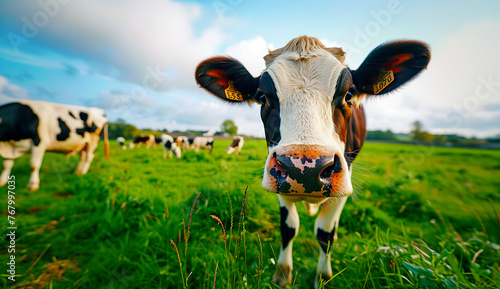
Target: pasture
421,217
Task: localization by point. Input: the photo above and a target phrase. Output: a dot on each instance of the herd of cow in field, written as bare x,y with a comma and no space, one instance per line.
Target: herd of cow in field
313,117
37,127
178,144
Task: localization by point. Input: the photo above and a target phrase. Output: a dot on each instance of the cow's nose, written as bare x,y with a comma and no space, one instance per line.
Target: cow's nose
312,172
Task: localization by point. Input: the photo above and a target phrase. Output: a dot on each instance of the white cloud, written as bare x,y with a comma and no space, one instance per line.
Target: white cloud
11,92
124,38
251,53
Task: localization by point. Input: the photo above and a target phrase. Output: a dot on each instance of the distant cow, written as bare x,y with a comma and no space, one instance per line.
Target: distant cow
121,142
182,142
158,141
36,127
314,122
236,146
203,142
170,145
147,140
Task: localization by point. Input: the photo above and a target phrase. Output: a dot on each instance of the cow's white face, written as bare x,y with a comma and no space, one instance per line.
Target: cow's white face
306,152
308,102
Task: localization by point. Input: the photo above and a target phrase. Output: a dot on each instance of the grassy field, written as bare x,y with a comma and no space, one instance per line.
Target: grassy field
421,217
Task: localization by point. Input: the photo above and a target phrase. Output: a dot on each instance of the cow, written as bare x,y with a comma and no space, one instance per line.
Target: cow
158,141
37,127
170,145
147,140
236,146
314,123
182,142
121,142
202,142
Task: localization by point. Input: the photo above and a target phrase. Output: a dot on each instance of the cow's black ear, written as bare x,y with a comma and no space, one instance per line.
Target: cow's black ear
227,79
390,65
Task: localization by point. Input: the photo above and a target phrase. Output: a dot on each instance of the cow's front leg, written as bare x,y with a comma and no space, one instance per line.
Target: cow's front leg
289,230
88,161
325,229
7,167
35,164
81,163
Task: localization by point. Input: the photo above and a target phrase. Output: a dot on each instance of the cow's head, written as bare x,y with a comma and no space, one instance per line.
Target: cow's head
307,96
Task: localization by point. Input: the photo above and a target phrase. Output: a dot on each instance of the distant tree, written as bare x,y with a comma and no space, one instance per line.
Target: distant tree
440,138
121,128
229,127
120,121
380,135
417,134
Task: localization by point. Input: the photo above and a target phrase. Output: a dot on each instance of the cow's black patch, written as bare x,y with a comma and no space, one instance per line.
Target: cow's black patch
270,110
92,128
287,233
191,140
141,139
325,238
168,144
157,140
64,134
72,115
337,165
280,177
84,116
86,128
18,122
235,143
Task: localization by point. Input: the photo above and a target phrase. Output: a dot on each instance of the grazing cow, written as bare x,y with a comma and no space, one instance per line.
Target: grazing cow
147,140
37,127
314,122
158,141
182,142
202,142
121,141
170,145
236,146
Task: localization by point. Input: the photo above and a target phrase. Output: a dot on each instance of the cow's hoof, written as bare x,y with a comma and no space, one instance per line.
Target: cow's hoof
33,186
2,183
282,276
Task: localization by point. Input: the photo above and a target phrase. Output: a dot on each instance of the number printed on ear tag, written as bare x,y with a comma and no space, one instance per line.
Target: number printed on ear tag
383,80
232,93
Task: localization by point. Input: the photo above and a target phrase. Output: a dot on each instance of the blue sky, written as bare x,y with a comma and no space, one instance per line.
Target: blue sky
136,59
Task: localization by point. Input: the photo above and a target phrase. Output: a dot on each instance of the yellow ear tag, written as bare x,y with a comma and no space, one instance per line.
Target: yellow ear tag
383,80
232,93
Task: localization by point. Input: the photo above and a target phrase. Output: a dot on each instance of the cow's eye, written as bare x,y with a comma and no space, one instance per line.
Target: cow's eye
348,98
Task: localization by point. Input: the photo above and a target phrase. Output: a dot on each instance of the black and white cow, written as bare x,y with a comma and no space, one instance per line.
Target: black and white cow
314,122
202,142
170,145
121,142
182,142
236,145
147,140
36,127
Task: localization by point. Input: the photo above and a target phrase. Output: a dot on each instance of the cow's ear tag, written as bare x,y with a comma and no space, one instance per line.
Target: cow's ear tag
383,80
232,93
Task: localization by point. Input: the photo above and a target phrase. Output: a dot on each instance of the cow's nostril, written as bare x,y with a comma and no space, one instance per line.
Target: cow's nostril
327,172
333,168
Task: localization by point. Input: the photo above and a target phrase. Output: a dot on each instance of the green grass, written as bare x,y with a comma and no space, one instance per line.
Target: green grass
423,217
